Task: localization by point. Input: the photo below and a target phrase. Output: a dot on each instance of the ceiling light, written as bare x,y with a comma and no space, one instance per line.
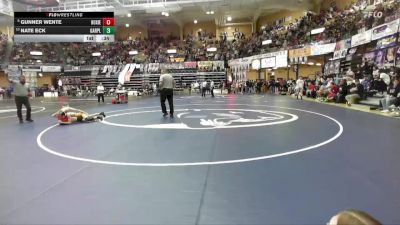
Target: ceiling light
129,15
266,42
213,49
171,51
318,64
166,14
163,13
96,54
40,74
208,12
195,21
310,63
317,31
127,25
36,53
133,52
212,12
229,18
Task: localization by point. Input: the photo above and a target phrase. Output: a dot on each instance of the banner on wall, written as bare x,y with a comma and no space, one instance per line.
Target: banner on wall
298,60
322,49
218,65
205,64
31,68
361,38
390,57
369,57
175,66
271,54
190,65
128,74
6,7
343,44
300,52
269,62
336,66
13,72
397,61
121,76
339,54
233,62
385,29
332,67
281,58
51,69
380,57
177,60
386,42
246,61
68,68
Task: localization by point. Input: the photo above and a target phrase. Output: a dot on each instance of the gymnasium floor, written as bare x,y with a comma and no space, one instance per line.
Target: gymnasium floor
228,160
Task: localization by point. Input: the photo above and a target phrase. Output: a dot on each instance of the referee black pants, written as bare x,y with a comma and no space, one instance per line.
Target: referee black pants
23,100
100,96
167,94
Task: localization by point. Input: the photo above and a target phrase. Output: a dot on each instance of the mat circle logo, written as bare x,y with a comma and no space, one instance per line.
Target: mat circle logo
223,118
201,119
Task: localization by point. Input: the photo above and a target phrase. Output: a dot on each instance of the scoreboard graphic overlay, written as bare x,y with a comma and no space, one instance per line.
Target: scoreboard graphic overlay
64,27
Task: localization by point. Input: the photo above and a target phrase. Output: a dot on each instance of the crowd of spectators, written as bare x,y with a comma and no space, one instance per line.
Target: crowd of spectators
3,43
21,53
338,24
383,85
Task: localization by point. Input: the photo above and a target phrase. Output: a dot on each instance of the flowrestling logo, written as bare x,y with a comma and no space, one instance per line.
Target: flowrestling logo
202,119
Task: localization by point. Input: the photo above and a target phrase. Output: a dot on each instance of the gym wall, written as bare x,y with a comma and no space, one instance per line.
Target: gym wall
3,80
341,4
304,71
269,19
47,79
246,29
123,33
252,75
192,29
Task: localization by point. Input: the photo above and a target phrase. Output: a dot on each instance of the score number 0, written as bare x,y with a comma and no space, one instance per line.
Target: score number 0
108,21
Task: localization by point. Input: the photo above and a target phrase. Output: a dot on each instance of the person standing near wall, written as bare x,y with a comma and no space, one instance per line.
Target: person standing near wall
212,88
299,88
100,92
203,88
21,92
167,85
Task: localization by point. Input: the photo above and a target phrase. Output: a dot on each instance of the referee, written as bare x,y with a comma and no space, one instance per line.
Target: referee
21,92
167,85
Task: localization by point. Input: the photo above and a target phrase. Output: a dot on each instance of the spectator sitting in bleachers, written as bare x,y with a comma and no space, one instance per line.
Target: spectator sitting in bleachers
342,92
356,93
311,90
333,91
391,97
